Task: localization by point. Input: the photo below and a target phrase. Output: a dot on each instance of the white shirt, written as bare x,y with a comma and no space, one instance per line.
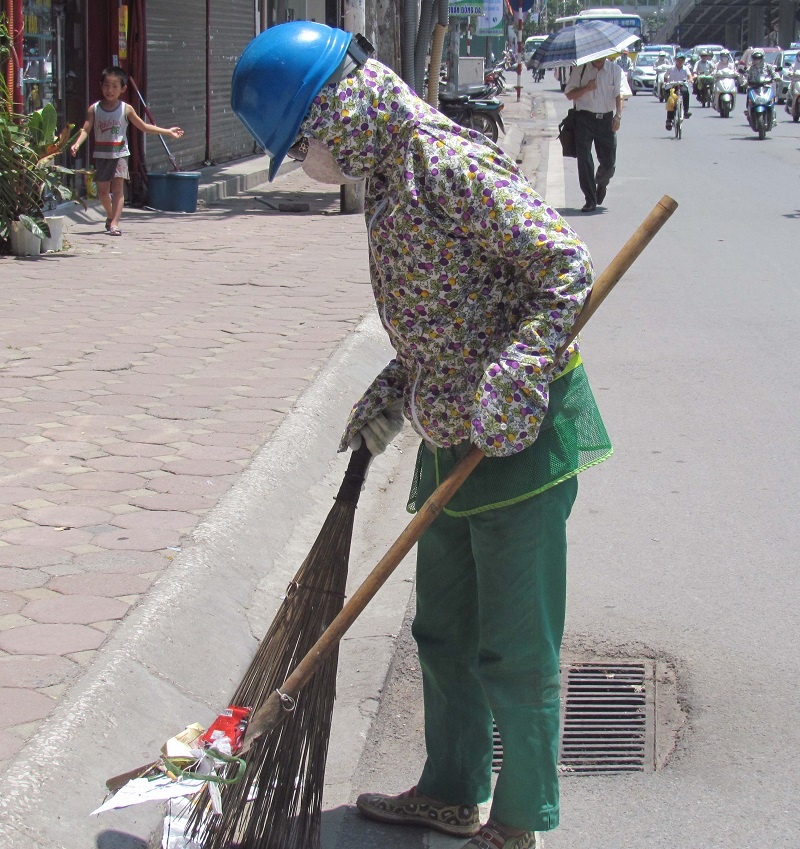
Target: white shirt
676,75
611,84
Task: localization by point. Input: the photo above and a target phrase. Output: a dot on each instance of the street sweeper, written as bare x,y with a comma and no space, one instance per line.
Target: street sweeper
478,282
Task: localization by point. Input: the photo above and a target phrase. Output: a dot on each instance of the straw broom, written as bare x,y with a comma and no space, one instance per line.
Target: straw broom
286,759
277,804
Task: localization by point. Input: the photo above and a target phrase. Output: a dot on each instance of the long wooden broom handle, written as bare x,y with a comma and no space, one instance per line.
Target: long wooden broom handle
273,709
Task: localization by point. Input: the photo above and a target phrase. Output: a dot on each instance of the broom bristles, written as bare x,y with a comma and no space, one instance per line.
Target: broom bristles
277,804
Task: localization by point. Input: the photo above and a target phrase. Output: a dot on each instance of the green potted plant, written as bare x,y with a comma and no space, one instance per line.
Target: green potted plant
29,176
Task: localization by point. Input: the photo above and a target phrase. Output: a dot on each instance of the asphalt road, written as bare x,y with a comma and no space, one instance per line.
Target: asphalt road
683,546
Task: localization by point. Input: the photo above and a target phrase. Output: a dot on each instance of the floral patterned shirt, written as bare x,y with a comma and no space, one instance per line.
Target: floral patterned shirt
477,280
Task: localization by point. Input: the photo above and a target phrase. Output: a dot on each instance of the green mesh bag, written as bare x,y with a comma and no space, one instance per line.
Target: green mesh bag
572,438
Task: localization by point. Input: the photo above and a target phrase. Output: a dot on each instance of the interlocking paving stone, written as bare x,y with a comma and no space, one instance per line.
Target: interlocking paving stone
48,537
154,520
80,609
27,557
18,705
12,579
10,603
50,639
137,540
34,671
106,584
68,516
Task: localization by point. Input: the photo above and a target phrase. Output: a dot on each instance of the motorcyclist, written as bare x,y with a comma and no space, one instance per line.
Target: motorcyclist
679,74
624,60
704,67
725,63
759,69
662,62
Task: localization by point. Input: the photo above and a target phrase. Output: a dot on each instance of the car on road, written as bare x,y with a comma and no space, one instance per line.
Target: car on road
642,76
669,49
529,48
789,57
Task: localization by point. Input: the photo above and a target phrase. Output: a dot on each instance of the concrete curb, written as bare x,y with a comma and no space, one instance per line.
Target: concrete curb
180,653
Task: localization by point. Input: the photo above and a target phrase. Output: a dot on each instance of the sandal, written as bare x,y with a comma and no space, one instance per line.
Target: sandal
114,231
492,836
412,808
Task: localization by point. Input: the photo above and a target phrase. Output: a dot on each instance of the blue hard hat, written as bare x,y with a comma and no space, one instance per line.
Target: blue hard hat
278,76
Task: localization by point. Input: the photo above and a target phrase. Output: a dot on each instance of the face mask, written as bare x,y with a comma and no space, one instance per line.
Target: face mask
320,165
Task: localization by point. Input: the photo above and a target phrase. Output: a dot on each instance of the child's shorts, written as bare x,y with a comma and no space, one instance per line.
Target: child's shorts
106,170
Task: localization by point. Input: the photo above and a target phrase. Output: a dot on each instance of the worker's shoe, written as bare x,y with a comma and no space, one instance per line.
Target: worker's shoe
412,808
669,125
492,836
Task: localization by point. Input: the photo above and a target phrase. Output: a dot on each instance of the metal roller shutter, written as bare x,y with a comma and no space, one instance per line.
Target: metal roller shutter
176,80
232,27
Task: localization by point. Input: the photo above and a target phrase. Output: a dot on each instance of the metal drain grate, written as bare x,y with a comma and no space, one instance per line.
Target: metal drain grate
607,718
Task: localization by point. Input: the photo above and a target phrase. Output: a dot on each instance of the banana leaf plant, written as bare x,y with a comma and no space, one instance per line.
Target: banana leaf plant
29,175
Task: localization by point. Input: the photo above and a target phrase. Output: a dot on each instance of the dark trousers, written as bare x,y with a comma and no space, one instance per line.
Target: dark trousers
591,130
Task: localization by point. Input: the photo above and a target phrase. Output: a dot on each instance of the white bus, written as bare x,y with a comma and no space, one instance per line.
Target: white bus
630,23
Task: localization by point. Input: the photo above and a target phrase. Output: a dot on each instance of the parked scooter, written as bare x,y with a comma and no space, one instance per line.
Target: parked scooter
792,105
482,115
495,80
760,110
724,96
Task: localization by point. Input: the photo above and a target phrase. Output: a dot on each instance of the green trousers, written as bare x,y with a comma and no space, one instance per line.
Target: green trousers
491,597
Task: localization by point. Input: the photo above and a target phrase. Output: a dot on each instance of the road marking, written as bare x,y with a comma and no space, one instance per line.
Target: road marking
555,190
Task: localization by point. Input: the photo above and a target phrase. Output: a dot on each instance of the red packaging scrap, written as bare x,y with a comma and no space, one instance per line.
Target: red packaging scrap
231,723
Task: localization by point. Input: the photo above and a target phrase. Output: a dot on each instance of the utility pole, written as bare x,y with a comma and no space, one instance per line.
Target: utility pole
351,195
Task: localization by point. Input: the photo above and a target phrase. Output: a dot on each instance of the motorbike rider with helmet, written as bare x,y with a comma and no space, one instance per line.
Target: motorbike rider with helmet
624,60
703,68
662,62
477,281
679,74
759,69
723,95
725,63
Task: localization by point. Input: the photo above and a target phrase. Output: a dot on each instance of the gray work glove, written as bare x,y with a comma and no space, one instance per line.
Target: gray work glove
379,431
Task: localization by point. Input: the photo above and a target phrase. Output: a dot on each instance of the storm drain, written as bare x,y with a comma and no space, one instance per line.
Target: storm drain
607,718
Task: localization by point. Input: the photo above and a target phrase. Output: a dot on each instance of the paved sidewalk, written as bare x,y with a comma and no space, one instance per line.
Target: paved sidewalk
139,378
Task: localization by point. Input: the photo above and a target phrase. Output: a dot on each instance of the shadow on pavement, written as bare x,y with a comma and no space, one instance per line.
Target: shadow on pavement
119,840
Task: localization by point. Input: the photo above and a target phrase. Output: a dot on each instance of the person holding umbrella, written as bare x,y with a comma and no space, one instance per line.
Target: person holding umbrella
598,91
597,87
478,282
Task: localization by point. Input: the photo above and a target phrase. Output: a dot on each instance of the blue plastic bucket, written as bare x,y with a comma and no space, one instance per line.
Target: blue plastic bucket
173,192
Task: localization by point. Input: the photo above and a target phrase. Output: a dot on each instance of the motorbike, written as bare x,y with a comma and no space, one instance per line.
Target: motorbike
792,105
494,79
475,113
658,88
704,84
723,98
760,109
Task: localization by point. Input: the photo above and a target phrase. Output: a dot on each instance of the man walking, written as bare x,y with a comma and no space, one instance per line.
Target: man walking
598,90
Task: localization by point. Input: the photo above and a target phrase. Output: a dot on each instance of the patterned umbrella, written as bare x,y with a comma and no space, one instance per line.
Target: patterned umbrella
581,43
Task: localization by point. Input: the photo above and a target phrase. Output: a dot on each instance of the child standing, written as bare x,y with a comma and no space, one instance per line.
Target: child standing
109,118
